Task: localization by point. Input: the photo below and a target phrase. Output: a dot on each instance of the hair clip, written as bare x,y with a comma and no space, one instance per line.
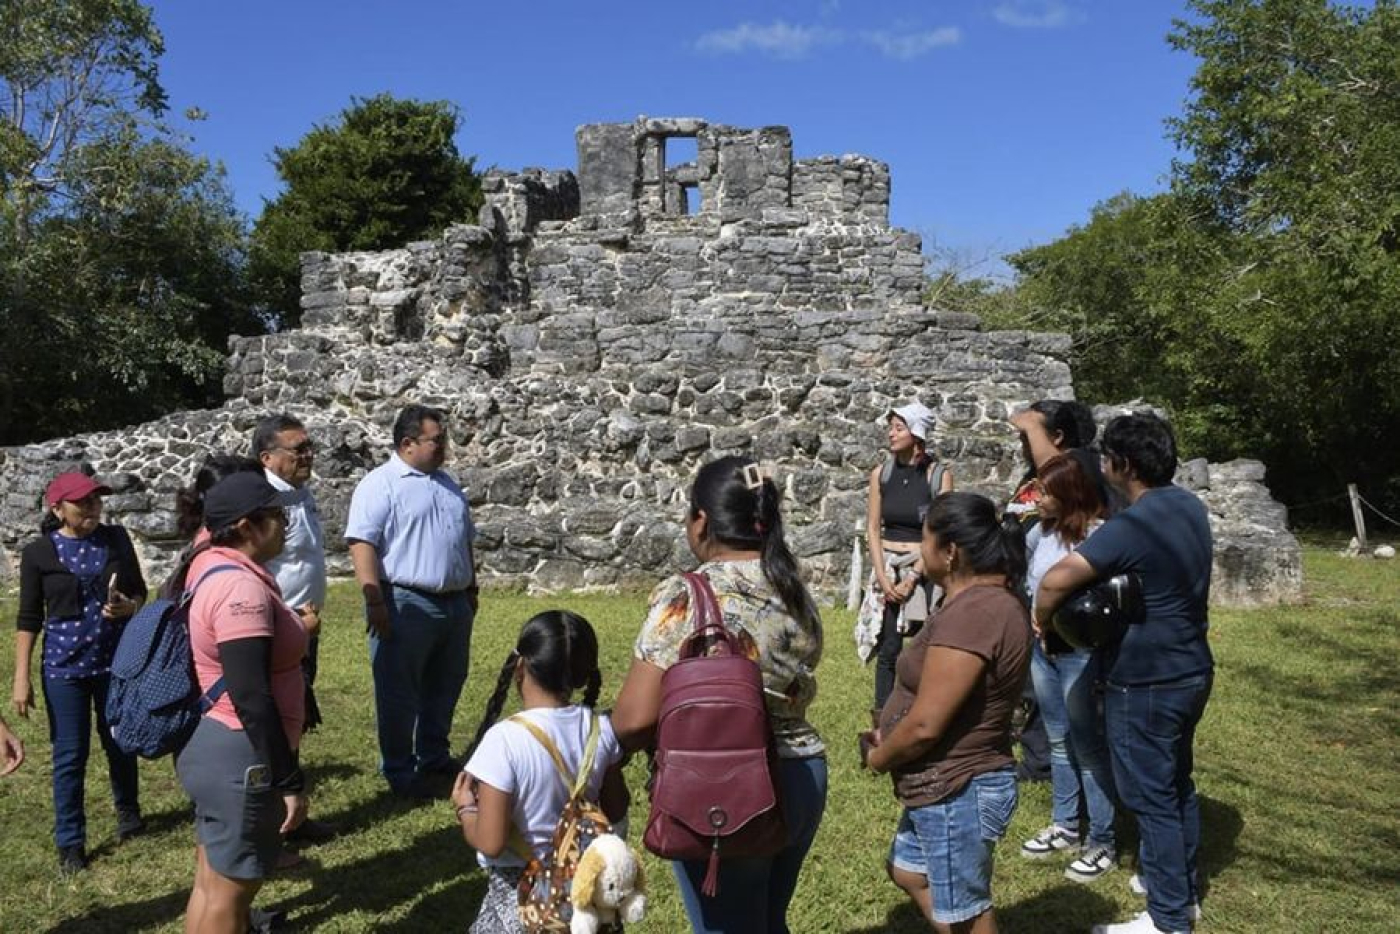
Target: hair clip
754,475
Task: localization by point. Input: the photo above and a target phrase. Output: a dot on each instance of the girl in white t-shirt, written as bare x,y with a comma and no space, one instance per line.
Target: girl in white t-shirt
510,781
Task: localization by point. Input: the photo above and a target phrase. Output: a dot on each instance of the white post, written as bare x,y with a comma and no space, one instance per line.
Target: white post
855,585
1357,517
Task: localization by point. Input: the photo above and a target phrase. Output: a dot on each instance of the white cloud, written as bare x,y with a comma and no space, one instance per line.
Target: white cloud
778,39
1036,14
909,45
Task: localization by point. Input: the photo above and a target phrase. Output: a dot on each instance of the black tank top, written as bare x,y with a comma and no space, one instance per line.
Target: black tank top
904,499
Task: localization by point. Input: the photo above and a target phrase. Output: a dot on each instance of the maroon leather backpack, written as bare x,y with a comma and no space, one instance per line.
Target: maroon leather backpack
714,793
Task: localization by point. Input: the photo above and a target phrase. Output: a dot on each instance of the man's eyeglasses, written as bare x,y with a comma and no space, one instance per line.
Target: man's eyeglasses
305,449
438,440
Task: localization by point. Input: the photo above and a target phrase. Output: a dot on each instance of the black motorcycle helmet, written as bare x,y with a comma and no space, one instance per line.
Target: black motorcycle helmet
1100,614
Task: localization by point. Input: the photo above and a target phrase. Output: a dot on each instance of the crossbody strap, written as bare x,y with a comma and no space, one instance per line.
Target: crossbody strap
209,698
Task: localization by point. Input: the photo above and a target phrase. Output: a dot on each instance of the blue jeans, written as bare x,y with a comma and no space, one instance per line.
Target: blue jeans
1150,732
951,843
70,703
1064,689
754,893
418,672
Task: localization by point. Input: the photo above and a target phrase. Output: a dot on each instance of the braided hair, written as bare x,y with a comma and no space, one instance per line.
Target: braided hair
560,651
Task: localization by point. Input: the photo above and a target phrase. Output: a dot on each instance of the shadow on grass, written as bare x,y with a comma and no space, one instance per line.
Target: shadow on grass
1221,826
902,919
1067,906
132,916
390,878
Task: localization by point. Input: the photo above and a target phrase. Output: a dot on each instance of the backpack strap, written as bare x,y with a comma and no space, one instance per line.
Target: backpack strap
936,471
209,698
575,783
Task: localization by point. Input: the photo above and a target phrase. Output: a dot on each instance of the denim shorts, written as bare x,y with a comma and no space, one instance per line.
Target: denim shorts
951,842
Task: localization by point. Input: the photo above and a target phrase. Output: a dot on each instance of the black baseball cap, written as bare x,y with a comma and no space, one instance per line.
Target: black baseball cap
235,497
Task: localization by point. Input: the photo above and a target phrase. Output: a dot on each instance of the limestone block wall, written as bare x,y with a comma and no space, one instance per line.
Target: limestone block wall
592,348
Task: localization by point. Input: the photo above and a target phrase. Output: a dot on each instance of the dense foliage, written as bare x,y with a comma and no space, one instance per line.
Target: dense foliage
1259,297
385,173
121,266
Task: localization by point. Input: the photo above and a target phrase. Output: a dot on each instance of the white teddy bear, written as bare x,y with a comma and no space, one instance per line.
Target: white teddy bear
608,886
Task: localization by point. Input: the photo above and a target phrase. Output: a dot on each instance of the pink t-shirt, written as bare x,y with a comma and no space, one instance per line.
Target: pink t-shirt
246,604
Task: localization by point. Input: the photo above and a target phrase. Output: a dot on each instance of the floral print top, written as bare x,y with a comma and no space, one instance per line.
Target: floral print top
786,650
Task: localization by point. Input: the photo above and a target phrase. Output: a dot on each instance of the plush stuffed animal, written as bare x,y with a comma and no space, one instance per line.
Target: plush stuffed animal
608,886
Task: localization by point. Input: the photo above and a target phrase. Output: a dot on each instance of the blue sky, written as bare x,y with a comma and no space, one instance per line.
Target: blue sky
1003,121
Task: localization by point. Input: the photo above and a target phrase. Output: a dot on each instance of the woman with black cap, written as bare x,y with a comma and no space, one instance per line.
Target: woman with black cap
240,766
898,598
80,582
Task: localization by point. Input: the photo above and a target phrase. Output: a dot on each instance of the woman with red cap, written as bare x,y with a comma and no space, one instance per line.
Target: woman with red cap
80,582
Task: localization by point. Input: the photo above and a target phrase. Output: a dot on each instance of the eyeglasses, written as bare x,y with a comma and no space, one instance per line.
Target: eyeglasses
438,440
305,449
268,512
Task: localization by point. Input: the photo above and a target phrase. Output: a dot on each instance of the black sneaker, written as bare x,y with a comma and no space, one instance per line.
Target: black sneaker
72,859
129,824
313,831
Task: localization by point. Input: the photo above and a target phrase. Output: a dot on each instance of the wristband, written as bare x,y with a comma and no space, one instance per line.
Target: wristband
466,809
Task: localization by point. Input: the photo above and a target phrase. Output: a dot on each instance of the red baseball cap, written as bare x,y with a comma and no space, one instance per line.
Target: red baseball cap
68,487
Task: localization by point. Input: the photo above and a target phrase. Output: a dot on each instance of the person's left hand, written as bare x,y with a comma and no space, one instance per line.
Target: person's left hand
310,618
118,605
869,740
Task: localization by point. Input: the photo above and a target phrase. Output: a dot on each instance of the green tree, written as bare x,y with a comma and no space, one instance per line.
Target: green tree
1260,297
385,173
121,255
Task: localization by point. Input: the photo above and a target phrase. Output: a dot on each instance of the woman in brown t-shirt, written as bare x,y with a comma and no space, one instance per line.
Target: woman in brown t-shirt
945,733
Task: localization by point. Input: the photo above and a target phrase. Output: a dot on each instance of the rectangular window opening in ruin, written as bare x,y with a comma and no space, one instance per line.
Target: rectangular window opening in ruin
690,200
680,157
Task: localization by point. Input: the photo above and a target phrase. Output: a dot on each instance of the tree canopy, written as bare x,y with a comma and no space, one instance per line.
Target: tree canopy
1259,297
121,255
386,172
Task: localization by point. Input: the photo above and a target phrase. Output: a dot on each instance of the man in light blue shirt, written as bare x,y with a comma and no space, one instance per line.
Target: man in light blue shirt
282,446
410,534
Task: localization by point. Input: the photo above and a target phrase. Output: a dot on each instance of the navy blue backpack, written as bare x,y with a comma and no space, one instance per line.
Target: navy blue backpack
154,703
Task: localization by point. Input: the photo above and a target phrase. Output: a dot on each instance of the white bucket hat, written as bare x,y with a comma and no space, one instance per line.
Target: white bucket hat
917,416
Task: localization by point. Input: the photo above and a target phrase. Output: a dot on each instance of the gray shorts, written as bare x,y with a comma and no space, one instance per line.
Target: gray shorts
237,826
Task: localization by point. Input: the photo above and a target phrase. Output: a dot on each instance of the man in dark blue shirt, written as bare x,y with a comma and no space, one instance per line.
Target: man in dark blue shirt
1158,678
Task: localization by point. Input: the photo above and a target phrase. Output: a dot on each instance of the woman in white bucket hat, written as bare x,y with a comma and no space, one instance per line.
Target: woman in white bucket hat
898,597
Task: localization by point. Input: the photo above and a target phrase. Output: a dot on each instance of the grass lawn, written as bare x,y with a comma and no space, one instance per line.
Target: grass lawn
1297,765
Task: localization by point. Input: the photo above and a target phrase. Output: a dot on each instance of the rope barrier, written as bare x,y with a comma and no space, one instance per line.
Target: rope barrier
1377,511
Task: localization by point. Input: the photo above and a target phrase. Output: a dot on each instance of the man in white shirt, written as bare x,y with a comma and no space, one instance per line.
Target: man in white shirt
282,446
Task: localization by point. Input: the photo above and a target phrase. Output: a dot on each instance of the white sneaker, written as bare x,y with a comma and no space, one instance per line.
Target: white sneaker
1142,924
1093,863
1053,839
1136,886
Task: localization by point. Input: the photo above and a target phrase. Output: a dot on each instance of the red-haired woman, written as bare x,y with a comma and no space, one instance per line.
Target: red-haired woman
1070,508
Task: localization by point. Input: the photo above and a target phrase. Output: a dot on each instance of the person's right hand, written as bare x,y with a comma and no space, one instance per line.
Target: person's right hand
23,694
377,617
11,750
296,812
889,590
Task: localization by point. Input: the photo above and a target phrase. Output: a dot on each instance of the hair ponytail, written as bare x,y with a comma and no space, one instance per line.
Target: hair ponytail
744,510
1012,539
991,545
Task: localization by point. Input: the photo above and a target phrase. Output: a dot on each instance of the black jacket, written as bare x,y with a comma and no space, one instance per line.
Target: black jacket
47,589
